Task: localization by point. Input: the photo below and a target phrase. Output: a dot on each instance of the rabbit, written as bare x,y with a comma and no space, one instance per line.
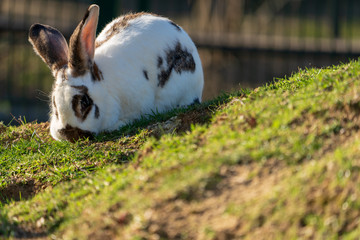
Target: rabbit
139,64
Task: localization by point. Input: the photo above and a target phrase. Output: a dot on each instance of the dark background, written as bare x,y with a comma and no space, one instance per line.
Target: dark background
242,43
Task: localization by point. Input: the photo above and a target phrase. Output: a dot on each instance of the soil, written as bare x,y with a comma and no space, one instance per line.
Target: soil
181,123
18,190
206,215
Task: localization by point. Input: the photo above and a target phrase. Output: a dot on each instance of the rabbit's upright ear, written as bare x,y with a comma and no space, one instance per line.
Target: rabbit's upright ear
82,42
50,45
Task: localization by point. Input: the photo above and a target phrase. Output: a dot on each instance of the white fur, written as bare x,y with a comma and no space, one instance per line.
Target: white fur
125,94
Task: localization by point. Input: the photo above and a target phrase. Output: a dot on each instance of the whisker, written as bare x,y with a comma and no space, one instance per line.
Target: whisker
40,96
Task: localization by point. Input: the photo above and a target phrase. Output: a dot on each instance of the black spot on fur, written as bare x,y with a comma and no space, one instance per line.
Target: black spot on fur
96,73
97,112
82,103
163,77
146,74
73,134
175,25
177,59
196,101
159,62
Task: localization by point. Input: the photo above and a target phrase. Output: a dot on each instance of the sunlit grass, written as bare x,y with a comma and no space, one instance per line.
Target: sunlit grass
295,141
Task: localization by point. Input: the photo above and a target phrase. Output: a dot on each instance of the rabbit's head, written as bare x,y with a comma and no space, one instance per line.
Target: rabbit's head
75,110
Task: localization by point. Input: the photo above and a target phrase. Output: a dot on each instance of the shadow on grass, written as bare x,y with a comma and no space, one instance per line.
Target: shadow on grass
198,114
9,230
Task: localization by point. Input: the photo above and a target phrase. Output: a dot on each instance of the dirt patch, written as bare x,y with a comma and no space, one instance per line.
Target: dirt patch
205,217
18,190
201,116
181,123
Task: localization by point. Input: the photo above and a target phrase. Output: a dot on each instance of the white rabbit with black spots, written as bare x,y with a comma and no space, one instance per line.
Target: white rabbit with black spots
139,63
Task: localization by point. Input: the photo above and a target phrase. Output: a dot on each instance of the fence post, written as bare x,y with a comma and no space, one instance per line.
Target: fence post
336,18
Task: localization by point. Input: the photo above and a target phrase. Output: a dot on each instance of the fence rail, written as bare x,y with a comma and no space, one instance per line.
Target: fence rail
235,42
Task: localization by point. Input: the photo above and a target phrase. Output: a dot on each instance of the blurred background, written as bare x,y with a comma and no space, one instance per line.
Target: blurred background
242,43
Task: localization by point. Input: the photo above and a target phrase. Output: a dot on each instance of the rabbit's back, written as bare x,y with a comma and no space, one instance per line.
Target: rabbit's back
153,58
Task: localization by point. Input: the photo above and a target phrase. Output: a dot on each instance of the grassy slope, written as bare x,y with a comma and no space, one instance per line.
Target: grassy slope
282,161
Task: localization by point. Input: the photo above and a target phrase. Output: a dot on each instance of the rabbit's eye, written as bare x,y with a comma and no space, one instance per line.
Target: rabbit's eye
85,102
82,105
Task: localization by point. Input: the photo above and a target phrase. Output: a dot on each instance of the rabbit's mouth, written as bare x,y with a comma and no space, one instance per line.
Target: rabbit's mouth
73,134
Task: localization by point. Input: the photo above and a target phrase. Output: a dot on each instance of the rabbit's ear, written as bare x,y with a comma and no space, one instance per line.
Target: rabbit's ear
50,45
82,42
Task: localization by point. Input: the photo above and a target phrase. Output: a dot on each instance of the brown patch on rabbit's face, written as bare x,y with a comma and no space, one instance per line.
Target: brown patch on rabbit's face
177,59
120,24
73,134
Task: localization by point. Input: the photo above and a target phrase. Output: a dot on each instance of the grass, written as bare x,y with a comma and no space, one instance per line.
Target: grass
281,161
